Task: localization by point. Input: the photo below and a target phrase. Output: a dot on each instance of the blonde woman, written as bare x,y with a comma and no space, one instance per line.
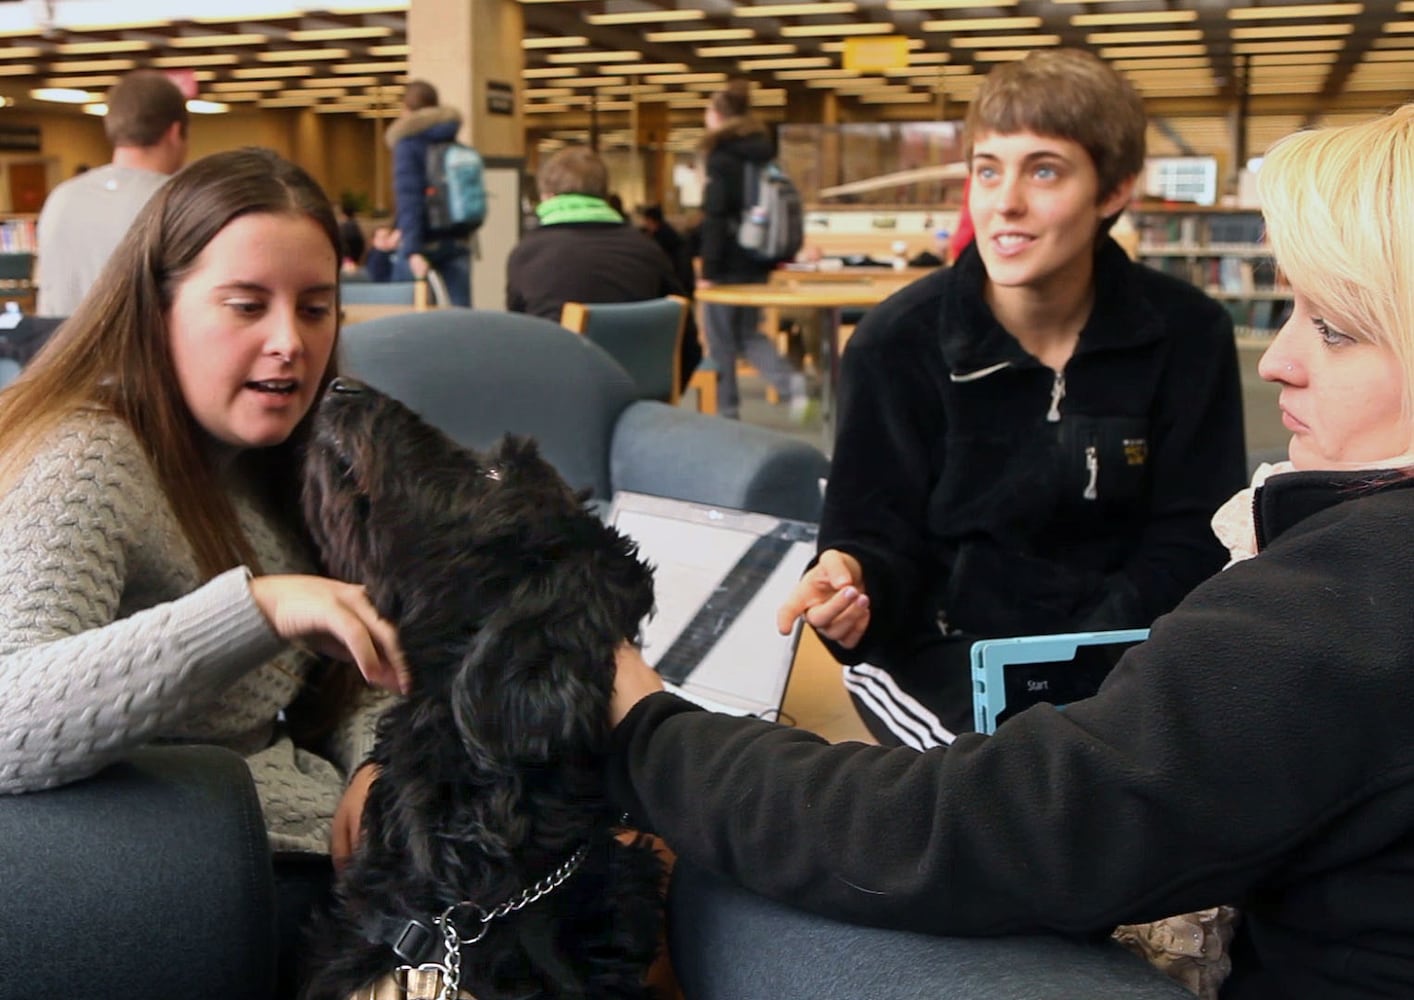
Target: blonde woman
1257,750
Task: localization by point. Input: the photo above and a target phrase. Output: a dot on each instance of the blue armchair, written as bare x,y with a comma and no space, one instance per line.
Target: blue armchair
478,374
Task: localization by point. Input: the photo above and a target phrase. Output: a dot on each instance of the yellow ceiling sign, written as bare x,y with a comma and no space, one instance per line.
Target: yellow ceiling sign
875,54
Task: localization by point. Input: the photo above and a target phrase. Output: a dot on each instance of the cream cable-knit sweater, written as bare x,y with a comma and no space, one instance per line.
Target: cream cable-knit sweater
107,640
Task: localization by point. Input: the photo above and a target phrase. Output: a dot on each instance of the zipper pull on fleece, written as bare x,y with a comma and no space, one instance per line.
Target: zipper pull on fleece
1057,394
1092,466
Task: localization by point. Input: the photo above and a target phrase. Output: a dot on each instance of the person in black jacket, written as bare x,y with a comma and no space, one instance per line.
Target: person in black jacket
1033,440
1257,749
734,139
584,251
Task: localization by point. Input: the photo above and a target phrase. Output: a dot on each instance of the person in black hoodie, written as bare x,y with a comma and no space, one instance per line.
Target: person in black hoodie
734,139
1257,749
1033,440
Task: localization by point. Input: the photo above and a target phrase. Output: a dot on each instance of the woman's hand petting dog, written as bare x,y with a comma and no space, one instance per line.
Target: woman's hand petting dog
333,619
348,817
634,680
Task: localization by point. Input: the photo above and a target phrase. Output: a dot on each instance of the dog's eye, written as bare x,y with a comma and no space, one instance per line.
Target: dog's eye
343,467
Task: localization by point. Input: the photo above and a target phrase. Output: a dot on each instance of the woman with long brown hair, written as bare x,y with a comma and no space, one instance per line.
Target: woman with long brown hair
156,580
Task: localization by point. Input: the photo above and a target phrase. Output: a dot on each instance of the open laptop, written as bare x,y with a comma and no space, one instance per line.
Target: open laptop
719,576
1010,675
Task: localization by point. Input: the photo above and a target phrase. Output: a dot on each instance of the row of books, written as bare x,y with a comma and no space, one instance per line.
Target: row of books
1231,275
17,236
1201,230
1257,317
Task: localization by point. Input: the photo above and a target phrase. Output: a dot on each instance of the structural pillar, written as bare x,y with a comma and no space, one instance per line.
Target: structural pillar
470,50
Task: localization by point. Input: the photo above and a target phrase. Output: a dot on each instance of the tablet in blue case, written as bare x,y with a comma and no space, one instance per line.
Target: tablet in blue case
1009,675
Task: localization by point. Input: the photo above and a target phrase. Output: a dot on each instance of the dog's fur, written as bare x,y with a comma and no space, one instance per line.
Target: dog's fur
510,598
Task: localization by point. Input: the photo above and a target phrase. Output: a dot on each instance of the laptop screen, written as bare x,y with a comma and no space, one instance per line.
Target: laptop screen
719,576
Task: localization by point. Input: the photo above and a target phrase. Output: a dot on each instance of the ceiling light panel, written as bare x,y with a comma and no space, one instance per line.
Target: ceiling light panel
1295,45
701,35
941,4
93,48
94,66
198,59
210,41
737,51
555,42
795,9
300,55
983,24
1134,17
617,55
790,62
1295,10
646,17
837,30
1144,37
338,34
1290,31
1004,41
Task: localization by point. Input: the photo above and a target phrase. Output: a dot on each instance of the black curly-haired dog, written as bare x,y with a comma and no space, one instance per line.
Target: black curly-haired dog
510,597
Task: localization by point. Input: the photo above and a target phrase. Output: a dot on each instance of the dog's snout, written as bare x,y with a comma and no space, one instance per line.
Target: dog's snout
346,385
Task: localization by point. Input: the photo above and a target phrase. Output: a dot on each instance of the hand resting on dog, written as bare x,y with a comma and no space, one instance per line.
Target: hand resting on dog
333,619
634,680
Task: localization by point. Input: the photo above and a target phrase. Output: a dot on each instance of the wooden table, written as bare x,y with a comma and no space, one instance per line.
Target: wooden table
827,298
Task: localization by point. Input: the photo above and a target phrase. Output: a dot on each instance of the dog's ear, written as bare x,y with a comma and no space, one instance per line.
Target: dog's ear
536,679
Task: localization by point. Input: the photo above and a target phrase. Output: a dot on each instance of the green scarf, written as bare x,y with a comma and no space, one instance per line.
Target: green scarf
575,208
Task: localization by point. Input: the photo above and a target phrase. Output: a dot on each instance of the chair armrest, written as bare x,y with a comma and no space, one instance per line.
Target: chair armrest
151,879
672,452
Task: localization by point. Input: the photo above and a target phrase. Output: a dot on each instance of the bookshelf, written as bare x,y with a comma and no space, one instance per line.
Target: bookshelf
17,245
1224,252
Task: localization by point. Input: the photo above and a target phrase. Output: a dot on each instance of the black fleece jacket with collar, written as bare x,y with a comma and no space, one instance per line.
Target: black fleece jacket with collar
972,480
1258,749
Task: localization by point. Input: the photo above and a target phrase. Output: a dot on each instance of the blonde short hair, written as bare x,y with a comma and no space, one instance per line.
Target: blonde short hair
1338,204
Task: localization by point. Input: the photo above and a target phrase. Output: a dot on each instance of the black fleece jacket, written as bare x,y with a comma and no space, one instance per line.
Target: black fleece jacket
585,262
968,478
1258,749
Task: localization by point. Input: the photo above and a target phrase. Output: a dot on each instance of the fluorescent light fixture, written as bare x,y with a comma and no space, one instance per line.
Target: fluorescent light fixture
339,34
541,72
837,30
239,95
1290,31
818,74
314,94
200,107
1296,45
399,49
97,110
982,24
790,62
597,81
541,93
646,17
554,42
1144,37
21,52
63,95
344,81
1003,41
198,59
1134,17
942,4
910,43
81,82
1313,59
795,9
209,41
1296,10
618,55
736,51
287,102
1399,27
391,68
269,72
911,97
94,48
546,109
701,35
1153,52
94,66
1190,62
652,68
247,85
300,55
679,78
1001,55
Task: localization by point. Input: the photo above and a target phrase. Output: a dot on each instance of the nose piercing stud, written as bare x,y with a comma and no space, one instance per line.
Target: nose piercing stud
1290,368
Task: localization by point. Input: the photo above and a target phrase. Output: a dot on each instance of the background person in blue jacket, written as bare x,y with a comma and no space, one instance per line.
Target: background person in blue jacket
1258,749
1033,440
422,123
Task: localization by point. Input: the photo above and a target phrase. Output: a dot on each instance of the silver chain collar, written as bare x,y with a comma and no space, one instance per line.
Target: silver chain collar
450,967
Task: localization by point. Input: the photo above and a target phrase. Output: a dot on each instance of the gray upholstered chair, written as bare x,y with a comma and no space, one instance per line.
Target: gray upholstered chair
424,294
646,338
150,879
478,374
